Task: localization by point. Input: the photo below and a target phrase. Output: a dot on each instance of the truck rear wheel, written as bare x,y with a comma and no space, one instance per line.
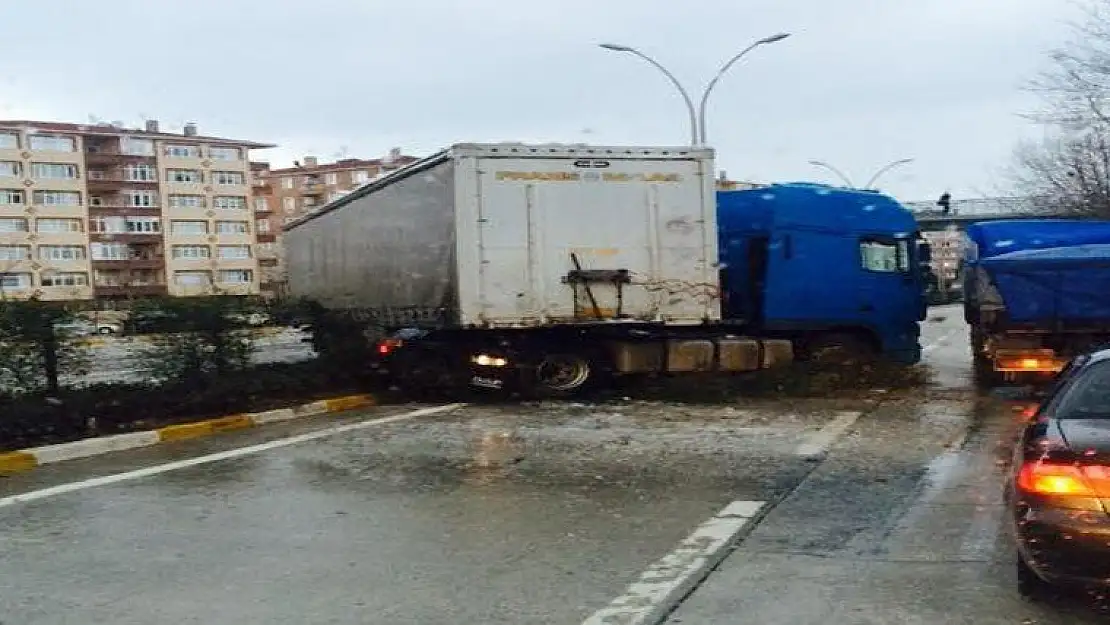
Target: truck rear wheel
565,374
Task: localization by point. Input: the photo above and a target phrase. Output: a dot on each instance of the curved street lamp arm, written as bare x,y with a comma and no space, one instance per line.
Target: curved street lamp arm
822,164
681,90
713,83
886,168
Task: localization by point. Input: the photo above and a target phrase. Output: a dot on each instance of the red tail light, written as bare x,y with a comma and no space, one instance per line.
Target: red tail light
1064,480
386,346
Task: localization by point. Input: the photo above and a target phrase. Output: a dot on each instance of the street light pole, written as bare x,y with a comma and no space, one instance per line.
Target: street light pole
822,164
702,134
678,85
889,166
697,118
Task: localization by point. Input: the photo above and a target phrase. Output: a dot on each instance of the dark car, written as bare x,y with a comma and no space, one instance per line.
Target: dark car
1059,486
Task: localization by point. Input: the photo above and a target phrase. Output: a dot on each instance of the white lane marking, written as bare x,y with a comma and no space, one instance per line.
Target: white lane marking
820,441
62,489
663,585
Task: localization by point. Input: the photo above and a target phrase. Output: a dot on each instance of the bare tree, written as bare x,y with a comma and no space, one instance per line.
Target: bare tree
1069,169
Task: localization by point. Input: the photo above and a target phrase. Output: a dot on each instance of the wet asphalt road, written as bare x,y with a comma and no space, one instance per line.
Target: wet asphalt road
540,514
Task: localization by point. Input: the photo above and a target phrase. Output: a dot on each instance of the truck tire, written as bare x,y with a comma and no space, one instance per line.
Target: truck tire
565,374
985,376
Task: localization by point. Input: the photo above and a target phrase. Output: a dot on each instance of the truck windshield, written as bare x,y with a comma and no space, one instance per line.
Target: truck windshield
885,255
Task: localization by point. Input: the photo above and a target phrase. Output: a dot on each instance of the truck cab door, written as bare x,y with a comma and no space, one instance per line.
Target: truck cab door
891,287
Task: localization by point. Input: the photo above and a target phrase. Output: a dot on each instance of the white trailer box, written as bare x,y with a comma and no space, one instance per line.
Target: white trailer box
513,235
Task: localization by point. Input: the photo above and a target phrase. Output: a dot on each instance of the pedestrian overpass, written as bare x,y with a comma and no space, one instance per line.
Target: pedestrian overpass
932,217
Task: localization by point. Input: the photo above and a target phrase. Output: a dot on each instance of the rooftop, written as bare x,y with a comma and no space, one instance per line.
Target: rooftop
345,164
114,130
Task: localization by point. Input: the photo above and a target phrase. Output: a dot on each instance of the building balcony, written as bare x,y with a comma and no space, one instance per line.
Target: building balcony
111,156
267,261
112,181
124,210
130,290
148,238
131,263
266,238
313,189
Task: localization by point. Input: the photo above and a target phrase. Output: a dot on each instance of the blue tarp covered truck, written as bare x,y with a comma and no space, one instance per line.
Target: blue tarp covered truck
1037,292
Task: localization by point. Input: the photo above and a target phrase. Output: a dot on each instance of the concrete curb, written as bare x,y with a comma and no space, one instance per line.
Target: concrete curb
27,459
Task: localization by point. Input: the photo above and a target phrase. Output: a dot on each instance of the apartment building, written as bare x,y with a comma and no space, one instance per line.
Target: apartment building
107,212
282,195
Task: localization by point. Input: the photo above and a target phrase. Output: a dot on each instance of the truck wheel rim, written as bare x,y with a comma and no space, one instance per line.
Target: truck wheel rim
563,373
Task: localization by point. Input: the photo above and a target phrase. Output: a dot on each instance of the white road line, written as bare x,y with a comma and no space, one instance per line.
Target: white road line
662,586
820,441
62,489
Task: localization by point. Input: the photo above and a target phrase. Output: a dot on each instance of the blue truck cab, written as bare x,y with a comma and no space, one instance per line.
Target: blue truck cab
824,266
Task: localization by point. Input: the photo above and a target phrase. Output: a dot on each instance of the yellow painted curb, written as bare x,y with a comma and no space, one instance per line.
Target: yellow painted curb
232,423
25,460
350,402
185,431
16,461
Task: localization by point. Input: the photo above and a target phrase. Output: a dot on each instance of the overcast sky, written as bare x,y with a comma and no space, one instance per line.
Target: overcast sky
859,84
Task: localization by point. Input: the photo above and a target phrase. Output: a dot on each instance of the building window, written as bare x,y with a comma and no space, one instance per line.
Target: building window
191,252
107,225
262,225
224,154
56,198
186,176
230,202
9,141
265,249
236,276
54,171
110,251
58,225
287,182
144,225
186,201
65,279
359,177
260,204
136,147
191,227
232,227
15,252
289,205
183,151
52,143
234,252
13,224
140,173
10,196
140,199
15,280
228,177
192,278
331,178
61,252
10,169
